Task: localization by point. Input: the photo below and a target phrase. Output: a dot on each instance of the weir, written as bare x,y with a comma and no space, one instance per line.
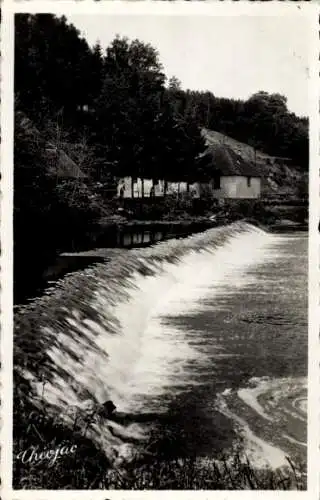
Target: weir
105,332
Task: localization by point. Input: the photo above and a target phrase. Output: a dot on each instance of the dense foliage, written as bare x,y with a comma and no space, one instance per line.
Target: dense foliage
115,100
263,121
135,124
49,214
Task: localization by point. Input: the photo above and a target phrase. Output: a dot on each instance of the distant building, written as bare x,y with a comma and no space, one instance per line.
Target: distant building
126,189
62,165
232,176
198,189
58,162
177,187
150,188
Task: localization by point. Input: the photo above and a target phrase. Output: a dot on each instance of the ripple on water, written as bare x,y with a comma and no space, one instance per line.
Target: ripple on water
271,417
273,318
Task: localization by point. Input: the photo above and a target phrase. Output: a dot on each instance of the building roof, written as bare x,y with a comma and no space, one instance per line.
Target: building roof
225,161
63,165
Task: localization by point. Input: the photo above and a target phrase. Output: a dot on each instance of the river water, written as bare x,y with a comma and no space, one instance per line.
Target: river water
201,343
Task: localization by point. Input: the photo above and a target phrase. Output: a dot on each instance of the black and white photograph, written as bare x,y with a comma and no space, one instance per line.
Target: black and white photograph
160,251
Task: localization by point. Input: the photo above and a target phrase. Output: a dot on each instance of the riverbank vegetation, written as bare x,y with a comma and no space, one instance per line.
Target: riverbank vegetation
43,461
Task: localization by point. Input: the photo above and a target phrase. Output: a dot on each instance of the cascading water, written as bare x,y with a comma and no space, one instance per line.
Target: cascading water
151,330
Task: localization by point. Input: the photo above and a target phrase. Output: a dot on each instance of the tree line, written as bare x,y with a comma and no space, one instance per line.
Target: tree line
263,121
113,102
133,121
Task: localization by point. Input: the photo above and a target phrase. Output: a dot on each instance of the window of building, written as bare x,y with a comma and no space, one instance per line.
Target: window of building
248,181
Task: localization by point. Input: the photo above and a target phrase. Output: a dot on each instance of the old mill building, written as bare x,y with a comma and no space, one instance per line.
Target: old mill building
232,177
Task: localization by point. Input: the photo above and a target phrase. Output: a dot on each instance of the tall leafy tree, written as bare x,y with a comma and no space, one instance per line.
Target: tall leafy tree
51,65
128,106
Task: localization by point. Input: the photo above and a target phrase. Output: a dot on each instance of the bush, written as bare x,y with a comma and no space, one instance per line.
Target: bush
50,215
254,210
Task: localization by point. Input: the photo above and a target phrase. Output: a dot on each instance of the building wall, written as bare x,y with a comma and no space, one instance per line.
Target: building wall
195,190
199,189
137,188
172,187
176,187
237,187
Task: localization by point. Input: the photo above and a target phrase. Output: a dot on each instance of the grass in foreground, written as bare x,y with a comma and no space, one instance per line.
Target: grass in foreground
88,468
198,474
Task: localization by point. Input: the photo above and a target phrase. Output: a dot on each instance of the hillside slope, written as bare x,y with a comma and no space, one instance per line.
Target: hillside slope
279,177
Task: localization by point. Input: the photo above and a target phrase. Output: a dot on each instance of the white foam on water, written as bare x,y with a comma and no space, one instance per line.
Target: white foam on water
259,452
279,391
179,290
301,404
283,396
130,354
295,441
250,397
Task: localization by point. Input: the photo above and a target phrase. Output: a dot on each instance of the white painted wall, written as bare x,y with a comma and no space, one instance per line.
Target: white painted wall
237,187
195,190
137,188
231,187
176,187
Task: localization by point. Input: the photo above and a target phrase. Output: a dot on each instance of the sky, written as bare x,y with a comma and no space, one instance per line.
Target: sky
230,56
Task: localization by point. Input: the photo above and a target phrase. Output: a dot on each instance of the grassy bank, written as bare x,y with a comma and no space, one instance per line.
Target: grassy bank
87,467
